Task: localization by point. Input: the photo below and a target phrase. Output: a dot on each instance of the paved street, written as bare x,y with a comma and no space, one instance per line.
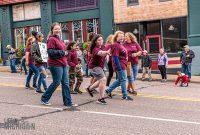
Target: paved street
159,109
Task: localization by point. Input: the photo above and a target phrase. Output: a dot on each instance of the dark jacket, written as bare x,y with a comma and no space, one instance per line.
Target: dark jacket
185,59
35,53
146,61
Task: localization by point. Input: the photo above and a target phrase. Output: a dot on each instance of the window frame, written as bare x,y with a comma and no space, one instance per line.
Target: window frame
164,0
132,4
95,6
24,12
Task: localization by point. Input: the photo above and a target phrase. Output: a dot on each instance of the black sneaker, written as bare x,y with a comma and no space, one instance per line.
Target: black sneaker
35,86
39,91
73,92
45,103
101,101
27,87
89,91
94,91
78,91
133,92
108,94
127,98
71,105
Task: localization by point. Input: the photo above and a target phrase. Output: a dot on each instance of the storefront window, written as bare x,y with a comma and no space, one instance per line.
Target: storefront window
174,34
153,28
92,25
65,32
77,31
22,34
129,27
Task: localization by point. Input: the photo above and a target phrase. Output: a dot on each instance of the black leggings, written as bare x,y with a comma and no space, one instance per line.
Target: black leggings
110,75
163,71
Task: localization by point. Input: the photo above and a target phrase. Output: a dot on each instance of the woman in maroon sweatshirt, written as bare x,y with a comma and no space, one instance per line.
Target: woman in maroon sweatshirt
96,65
74,68
58,66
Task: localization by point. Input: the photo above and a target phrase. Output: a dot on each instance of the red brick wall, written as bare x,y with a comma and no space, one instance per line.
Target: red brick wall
148,10
6,2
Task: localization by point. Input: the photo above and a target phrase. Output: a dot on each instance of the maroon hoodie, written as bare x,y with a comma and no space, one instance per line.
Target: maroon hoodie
56,44
72,58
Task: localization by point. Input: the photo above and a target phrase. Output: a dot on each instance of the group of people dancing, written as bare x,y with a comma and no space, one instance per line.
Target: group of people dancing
120,52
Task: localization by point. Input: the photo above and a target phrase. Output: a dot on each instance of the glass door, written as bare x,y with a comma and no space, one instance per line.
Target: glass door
153,43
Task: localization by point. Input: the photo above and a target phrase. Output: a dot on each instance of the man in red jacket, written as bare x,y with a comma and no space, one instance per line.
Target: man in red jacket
182,78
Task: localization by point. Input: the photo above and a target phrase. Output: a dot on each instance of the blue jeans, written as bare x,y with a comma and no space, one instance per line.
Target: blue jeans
12,65
86,71
23,65
42,79
32,69
59,75
121,80
186,69
134,75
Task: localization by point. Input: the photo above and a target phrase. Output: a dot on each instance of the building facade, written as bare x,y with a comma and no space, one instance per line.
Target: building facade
156,24
77,18
194,32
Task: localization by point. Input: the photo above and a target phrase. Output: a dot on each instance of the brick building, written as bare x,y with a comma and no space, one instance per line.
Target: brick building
156,24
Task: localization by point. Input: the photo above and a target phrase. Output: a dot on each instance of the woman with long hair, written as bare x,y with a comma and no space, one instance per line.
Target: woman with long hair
39,53
119,60
91,35
58,66
31,64
96,66
134,50
109,42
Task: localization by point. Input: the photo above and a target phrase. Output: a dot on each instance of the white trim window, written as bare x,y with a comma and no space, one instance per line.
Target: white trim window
22,34
77,31
92,25
64,32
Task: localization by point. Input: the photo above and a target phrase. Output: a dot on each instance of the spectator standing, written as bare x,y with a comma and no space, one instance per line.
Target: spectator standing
146,65
162,64
12,58
186,61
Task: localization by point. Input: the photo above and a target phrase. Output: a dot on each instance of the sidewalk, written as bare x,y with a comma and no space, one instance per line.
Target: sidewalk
156,77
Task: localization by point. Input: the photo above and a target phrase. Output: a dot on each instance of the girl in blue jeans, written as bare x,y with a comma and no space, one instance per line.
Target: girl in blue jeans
57,62
39,53
30,63
119,59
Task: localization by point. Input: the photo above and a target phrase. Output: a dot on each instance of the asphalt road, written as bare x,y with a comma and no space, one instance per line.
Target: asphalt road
159,109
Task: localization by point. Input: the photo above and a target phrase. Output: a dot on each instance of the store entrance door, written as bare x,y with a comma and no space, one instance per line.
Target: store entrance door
153,43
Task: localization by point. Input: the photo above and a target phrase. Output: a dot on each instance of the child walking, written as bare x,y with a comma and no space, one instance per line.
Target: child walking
74,68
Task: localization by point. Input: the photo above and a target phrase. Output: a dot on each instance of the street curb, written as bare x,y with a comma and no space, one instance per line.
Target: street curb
171,78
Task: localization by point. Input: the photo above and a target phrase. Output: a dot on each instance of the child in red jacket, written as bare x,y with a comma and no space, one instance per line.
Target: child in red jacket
182,79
